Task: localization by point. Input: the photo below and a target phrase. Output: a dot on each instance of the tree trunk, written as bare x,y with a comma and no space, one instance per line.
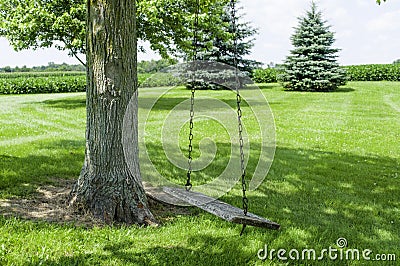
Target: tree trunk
106,187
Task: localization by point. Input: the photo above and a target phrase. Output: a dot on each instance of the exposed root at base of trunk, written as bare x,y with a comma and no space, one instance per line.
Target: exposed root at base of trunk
50,204
124,202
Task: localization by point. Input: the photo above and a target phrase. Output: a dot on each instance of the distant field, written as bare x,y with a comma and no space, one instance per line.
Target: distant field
41,74
336,174
46,82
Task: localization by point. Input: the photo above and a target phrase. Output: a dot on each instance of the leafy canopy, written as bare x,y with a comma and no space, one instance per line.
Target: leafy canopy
42,23
166,24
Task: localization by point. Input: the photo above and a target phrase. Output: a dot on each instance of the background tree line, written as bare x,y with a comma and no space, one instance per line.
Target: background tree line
143,67
51,67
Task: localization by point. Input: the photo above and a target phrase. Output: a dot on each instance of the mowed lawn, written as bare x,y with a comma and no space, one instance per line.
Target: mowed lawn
336,174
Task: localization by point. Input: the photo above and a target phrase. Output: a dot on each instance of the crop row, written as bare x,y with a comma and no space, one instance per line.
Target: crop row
387,72
374,72
53,84
50,82
40,74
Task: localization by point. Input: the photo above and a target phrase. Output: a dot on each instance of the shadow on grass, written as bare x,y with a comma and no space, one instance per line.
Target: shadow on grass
344,89
264,86
326,194
169,103
207,250
164,103
338,90
67,103
204,252
20,176
316,194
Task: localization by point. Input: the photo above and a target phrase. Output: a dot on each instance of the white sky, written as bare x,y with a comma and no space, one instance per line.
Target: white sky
366,32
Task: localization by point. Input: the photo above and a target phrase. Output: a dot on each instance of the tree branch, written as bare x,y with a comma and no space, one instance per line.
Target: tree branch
76,56
73,52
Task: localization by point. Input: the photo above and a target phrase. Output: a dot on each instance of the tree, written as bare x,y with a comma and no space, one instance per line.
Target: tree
7,69
165,24
168,24
221,47
312,65
106,187
154,66
41,23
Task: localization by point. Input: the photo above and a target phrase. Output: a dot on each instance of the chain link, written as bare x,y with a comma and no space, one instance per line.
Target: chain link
245,201
188,184
192,85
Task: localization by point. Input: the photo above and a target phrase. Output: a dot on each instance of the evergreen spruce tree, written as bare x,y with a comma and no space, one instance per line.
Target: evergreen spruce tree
223,50
312,64
216,41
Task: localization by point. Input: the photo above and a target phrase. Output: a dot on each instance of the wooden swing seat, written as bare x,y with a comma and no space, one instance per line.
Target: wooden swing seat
221,209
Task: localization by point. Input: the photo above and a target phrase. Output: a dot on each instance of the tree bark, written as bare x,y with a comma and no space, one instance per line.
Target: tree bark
106,187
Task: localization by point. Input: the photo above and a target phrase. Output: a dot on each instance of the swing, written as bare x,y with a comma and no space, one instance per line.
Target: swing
218,208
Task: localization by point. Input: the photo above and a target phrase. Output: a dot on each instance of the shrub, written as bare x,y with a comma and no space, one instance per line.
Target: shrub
267,75
160,80
142,77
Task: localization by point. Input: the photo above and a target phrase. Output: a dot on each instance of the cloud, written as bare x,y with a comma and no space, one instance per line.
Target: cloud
275,20
278,17
360,26
386,22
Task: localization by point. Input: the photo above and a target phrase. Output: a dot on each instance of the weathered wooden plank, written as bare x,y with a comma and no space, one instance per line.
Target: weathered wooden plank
221,209
158,194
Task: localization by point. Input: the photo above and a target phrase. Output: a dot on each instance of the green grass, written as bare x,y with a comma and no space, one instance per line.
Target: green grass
42,139
336,173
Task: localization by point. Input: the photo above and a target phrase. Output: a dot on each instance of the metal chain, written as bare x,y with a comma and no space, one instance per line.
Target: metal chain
192,85
188,184
245,201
